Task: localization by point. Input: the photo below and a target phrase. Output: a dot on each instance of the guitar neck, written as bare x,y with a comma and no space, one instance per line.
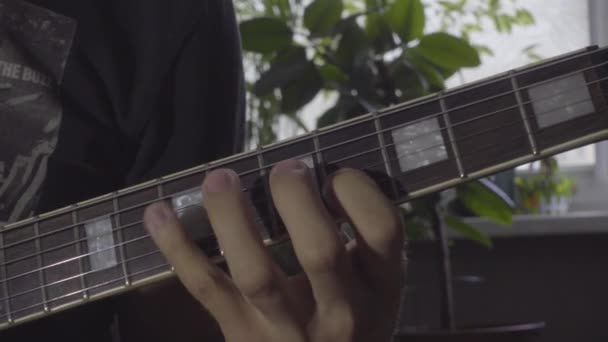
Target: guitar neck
99,248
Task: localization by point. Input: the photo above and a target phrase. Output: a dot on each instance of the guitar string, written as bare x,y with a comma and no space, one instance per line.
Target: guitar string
400,156
12,313
308,154
517,138
44,287
115,267
529,70
410,123
391,110
376,133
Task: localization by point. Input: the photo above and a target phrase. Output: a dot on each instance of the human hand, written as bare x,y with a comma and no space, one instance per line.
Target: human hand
346,293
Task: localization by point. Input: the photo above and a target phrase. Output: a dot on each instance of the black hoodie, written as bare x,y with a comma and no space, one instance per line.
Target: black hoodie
97,95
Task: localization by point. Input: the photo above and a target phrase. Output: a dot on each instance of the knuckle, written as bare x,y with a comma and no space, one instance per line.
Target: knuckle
340,326
259,284
322,259
204,288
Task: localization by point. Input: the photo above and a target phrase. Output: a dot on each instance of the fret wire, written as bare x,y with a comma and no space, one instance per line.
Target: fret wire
213,259
4,275
39,262
384,153
263,172
61,281
478,150
321,171
448,123
160,193
120,236
146,236
5,284
391,111
77,241
415,103
91,288
524,115
396,126
349,157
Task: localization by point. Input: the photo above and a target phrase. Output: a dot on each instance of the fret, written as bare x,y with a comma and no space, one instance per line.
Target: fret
121,239
563,102
22,275
160,190
102,262
356,146
418,155
59,258
41,277
454,143
522,110
302,149
410,150
176,185
83,282
487,125
140,252
5,310
275,227
321,170
385,158
252,184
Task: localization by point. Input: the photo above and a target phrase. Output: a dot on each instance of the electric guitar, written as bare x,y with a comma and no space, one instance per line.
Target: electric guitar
99,248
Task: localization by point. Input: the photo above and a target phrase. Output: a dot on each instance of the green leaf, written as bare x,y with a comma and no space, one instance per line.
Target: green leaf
448,51
431,74
353,43
298,93
265,35
484,49
336,113
288,66
379,32
321,16
524,17
330,117
503,23
407,19
332,73
484,202
418,229
468,231
409,81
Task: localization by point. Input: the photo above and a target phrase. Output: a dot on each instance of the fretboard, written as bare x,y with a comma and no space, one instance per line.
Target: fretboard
99,247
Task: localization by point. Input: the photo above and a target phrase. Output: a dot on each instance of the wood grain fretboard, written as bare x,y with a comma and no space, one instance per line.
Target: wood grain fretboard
99,247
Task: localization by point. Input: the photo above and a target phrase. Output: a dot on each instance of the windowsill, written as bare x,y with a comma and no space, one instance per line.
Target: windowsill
581,222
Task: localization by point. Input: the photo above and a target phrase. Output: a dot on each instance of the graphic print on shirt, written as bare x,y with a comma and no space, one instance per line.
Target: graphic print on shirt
34,46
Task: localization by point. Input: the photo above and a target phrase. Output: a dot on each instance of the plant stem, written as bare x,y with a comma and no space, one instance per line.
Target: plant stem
445,271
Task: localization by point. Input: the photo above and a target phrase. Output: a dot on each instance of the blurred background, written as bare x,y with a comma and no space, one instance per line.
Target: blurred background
533,249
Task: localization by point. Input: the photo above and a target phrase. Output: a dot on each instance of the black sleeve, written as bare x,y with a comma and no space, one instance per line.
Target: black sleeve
152,87
202,100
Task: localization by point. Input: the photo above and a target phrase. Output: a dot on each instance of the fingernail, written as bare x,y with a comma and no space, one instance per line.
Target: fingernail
157,215
220,180
291,166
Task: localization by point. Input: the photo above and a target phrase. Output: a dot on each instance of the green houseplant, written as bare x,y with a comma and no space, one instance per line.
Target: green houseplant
546,191
367,55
